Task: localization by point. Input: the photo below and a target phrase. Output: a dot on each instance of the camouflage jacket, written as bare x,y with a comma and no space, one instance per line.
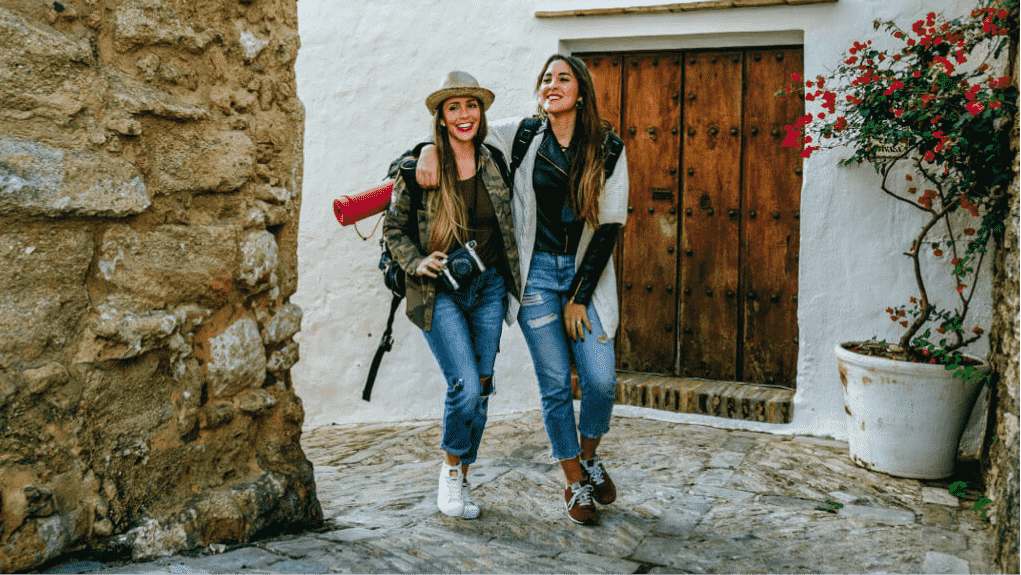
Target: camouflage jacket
421,291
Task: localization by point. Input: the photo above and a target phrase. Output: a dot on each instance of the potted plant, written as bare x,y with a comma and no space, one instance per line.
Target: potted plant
930,113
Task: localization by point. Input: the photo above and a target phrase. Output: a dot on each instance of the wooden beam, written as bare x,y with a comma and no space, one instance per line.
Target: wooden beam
671,8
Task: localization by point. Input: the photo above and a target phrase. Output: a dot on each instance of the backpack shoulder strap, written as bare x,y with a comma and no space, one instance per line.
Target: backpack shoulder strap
407,170
614,146
526,131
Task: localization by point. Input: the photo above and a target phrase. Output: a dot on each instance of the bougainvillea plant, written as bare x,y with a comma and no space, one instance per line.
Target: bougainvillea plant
933,115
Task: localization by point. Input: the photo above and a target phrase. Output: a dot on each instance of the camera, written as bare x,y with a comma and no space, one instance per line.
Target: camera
462,266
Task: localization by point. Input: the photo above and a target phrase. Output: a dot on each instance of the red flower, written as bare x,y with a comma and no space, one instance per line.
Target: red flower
796,77
898,113
975,108
793,137
937,252
929,156
900,313
956,261
908,177
978,330
913,300
960,287
889,310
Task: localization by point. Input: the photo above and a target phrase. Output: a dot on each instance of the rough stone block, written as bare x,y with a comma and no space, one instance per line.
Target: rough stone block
880,514
237,359
36,179
44,298
168,264
942,563
283,359
285,323
259,254
189,161
939,496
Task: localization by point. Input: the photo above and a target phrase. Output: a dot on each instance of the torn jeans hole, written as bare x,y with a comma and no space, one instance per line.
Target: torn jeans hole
544,320
530,298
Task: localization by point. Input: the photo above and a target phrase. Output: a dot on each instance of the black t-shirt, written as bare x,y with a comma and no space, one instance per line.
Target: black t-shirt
482,225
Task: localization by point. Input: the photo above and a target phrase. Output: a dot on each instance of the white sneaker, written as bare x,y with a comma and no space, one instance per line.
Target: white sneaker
471,510
449,498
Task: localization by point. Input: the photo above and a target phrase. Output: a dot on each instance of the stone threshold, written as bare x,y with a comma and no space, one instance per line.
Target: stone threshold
729,399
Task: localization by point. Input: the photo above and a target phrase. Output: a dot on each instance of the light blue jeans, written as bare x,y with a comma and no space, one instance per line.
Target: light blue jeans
464,338
542,322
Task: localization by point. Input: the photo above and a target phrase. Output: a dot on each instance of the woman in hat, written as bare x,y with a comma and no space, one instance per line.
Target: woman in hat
567,212
461,320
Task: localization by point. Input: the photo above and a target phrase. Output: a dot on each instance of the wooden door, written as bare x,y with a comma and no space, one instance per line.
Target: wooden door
708,260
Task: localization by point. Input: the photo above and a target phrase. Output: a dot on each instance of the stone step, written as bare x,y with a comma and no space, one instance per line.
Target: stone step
730,399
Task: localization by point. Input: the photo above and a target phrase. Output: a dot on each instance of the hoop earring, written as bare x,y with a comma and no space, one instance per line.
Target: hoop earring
578,103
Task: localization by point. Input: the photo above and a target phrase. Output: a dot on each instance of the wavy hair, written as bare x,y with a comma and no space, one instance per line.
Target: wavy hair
587,175
448,214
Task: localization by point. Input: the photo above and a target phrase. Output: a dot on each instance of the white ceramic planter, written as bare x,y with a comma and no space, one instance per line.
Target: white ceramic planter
904,418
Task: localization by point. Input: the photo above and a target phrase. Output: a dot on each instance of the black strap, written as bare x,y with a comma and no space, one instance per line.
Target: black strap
526,131
385,344
529,127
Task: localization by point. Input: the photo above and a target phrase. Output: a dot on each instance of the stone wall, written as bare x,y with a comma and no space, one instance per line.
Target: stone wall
150,177
1001,458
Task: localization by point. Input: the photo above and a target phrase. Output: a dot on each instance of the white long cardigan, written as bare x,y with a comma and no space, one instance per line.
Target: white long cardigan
612,210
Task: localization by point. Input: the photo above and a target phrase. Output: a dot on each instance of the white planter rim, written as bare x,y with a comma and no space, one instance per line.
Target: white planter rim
888,365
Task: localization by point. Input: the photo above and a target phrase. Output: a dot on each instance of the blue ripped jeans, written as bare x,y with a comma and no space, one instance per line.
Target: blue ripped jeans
542,323
464,338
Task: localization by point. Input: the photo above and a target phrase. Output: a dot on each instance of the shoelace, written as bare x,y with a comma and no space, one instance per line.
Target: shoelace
453,488
582,496
595,473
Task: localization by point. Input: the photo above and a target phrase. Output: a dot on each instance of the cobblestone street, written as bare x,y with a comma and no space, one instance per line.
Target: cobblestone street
691,499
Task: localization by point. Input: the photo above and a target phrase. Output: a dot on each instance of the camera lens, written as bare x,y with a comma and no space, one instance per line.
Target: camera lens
460,268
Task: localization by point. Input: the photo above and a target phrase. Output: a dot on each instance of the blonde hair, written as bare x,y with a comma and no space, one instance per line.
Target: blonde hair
587,176
448,215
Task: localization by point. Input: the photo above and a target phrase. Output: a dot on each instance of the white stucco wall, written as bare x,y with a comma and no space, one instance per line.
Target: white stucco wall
364,70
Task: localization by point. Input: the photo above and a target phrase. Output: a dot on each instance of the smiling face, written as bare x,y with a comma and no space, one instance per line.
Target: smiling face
462,116
558,89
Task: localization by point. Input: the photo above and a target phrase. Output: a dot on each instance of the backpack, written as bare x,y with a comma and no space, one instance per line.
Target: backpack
394,276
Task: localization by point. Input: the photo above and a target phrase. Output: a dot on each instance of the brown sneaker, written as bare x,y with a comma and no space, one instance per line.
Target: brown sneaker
603,489
578,498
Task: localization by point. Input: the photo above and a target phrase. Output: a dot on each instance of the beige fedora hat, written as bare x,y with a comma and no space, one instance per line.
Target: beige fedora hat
458,83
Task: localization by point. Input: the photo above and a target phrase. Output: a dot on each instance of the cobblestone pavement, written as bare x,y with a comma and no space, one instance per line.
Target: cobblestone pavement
691,499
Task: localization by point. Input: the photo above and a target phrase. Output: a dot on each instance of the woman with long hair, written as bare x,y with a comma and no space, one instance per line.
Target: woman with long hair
460,315
567,213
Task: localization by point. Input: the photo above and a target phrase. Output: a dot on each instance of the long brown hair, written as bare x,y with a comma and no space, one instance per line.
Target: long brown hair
448,215
587,174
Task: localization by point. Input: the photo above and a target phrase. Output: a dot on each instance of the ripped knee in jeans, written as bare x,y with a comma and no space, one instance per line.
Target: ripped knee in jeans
531,298
547,319
487,385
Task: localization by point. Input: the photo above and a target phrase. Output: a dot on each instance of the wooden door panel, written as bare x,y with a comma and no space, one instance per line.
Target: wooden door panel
770,230
605,72
650,119
711,205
